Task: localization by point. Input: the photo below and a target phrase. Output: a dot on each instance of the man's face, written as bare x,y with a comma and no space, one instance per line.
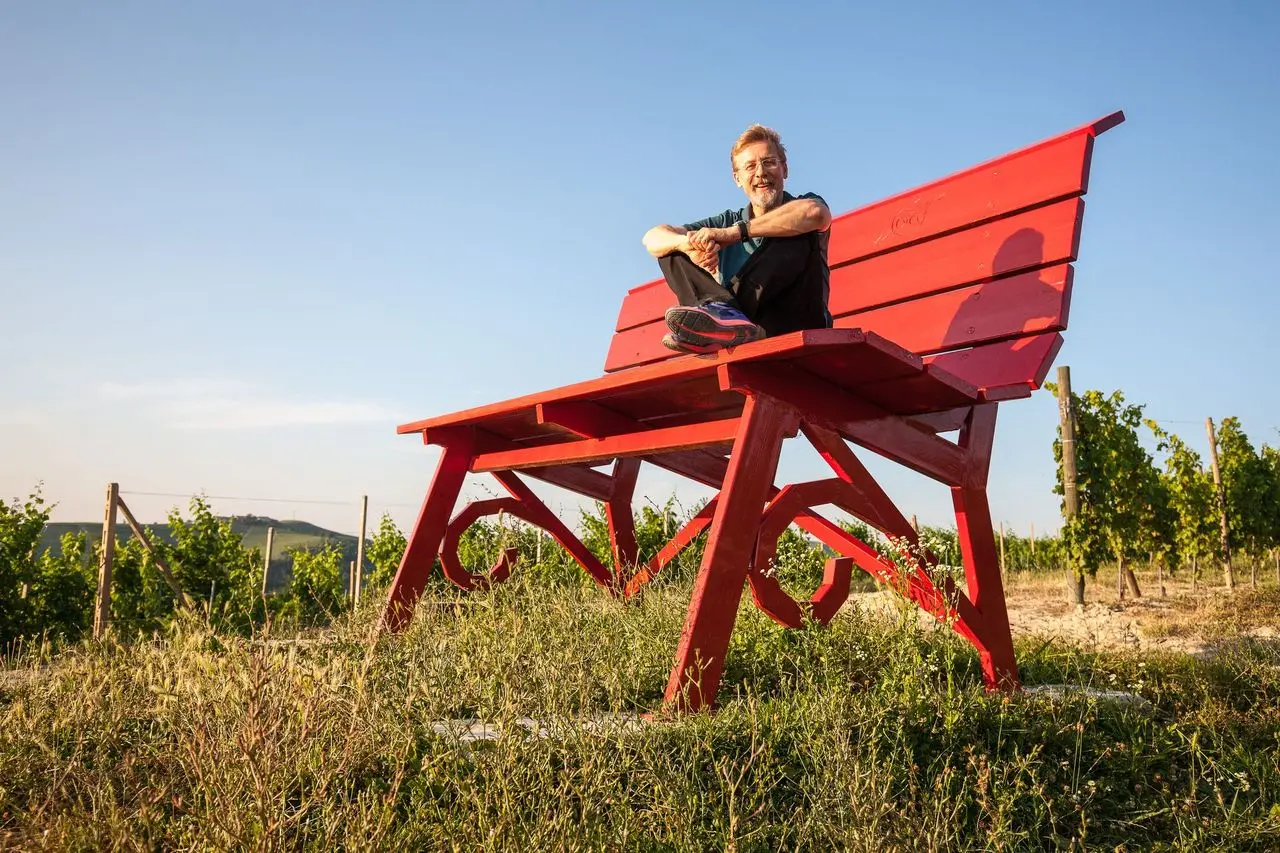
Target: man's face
760,171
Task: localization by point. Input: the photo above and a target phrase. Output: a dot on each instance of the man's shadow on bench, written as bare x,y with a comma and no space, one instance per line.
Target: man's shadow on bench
1010,305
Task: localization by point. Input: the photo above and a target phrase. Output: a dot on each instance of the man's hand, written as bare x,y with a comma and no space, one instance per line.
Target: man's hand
702,246
717,237
705,254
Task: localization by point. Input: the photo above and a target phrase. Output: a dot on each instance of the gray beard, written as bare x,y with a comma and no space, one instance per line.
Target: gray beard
770,205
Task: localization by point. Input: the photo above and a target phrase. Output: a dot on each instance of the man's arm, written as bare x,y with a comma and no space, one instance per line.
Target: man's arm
799,216
664,239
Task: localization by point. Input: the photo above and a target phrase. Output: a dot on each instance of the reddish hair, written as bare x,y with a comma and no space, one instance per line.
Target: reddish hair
758,133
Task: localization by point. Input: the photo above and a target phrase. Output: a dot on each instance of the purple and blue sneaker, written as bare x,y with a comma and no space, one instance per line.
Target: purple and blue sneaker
709,327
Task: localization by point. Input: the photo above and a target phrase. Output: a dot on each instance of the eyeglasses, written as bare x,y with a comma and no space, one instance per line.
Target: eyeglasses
768,164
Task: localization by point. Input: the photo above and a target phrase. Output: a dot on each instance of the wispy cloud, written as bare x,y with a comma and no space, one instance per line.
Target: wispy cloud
227,404
175,389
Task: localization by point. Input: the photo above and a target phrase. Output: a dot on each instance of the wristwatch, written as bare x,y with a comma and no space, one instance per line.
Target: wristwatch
742,230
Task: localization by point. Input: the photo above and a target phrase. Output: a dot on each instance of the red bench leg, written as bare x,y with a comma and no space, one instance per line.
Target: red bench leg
986,591
718,589
990,620
428,532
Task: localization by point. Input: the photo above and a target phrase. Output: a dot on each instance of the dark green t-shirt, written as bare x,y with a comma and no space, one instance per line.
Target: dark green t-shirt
733,257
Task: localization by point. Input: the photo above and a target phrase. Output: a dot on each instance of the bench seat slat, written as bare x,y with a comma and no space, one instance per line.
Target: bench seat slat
813,341
643,345
656,379
928,391
851,359
695,395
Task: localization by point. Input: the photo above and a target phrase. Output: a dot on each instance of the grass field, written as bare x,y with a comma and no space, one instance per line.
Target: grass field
874,734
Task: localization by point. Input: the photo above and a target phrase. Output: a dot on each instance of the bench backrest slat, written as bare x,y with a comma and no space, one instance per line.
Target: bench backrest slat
1036,238
1024,179
979,259
1005,369
1025,304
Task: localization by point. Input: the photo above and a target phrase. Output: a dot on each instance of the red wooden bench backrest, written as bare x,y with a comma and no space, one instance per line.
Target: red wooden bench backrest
973,271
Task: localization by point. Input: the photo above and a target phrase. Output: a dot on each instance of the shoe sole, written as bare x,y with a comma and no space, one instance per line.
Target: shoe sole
698,328
675,345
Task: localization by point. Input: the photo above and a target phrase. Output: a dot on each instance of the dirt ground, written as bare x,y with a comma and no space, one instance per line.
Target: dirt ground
1181,620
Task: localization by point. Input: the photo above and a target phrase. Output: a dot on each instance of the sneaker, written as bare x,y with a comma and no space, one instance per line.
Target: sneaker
711,326
672,342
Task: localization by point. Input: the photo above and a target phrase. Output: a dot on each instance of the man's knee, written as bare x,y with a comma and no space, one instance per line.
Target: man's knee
678,264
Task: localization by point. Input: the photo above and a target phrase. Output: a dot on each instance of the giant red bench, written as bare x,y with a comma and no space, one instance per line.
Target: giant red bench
948,300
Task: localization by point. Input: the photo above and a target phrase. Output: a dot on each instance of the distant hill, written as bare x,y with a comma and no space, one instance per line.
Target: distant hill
290,535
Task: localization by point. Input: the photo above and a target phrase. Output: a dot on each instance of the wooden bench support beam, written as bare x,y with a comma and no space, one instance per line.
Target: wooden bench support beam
451,564
948,421
550,522
585,481
875,507
592,420
580,479
824,404
678,543
644,443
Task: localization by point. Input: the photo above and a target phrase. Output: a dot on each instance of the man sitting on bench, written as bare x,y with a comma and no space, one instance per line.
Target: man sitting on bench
745,274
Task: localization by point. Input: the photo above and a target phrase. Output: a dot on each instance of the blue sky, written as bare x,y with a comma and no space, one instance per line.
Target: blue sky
240,242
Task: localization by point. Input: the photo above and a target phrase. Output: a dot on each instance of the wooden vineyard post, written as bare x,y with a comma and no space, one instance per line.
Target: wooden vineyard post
102,610
1120,578
266,559
359,572
1228,573
1070,497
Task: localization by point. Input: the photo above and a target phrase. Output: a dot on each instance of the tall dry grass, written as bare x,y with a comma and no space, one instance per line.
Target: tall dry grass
870,735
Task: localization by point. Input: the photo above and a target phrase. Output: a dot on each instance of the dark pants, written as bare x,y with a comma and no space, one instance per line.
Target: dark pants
782,287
